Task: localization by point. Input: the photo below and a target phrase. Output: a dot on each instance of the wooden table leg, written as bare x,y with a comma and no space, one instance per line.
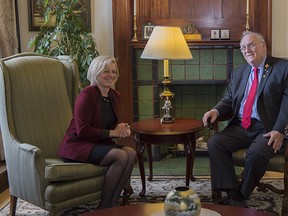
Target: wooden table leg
193,138
193,146
140,150
149,158
189,146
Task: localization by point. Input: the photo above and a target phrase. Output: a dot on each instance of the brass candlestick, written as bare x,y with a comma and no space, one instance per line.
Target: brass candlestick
135,28
247,22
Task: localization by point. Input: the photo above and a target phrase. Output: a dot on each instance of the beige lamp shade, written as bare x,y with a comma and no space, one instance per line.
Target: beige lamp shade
166,43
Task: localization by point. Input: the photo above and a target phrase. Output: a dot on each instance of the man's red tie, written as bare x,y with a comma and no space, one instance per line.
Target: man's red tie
246,117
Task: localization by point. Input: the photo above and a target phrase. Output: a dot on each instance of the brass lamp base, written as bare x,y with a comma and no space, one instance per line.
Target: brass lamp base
167,105
167,120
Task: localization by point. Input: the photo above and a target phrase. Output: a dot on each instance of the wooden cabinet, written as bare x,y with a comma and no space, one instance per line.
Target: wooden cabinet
205,14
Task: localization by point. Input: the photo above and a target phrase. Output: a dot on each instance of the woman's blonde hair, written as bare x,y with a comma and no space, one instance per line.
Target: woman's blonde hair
98,66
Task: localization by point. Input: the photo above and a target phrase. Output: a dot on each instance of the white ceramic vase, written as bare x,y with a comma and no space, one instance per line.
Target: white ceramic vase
182,201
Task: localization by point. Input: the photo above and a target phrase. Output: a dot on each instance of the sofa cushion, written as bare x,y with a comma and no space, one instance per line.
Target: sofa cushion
57,170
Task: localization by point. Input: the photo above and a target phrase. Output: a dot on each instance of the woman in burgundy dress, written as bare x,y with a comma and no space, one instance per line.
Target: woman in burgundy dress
90,136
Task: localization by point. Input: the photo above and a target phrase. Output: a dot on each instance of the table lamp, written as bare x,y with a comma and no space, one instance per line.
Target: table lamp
166,43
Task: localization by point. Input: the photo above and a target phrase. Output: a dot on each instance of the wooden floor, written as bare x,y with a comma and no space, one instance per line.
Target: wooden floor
4,198
4,194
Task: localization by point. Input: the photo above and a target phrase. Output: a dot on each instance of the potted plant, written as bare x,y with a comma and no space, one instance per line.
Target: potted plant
69,35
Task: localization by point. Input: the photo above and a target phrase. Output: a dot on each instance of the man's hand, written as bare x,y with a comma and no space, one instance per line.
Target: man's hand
276,139
209,117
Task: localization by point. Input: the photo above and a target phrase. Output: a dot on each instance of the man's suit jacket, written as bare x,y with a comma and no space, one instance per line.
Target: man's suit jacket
86,127
272,93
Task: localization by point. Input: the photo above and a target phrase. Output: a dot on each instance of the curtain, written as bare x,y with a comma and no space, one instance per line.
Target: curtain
8,36
8,40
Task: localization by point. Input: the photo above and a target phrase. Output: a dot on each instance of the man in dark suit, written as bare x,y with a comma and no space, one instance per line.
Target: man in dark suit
257,113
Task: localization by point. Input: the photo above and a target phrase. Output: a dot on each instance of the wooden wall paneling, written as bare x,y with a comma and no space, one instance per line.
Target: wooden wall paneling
122,33
268,33
252,15
143,9
264,20
260,19
205,14
195,9
159,9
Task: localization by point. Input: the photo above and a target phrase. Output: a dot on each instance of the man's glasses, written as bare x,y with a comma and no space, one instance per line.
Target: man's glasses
250,46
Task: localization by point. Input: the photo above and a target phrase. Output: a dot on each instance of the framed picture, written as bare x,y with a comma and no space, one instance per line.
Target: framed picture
214,34
147,30
224,34
36,14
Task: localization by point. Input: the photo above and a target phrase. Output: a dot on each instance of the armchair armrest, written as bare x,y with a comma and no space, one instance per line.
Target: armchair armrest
28,165
29,148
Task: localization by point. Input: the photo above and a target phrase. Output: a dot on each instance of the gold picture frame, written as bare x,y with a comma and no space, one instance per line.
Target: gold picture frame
36,14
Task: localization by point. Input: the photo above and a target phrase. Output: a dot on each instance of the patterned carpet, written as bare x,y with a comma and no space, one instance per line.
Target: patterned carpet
156,191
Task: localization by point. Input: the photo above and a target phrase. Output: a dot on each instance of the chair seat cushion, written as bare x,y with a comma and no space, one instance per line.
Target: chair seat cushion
57,170
276,163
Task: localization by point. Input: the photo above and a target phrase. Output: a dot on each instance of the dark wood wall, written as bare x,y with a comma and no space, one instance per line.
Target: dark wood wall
205,14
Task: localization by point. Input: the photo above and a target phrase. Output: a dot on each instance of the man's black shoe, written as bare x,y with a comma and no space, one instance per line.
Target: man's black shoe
231,202
235,194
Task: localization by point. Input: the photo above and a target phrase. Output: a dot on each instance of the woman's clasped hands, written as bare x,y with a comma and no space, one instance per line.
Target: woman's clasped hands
122,130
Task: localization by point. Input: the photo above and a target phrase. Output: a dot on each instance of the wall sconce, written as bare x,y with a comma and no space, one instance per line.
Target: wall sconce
166,43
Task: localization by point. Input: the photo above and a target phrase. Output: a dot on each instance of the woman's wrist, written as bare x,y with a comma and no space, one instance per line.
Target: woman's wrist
112,133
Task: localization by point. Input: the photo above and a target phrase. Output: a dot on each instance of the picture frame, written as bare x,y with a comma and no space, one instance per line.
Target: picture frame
215,34
225,34
147,30
36,14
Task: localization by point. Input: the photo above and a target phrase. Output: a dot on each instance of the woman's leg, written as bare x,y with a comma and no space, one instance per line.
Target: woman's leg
131,156
120,162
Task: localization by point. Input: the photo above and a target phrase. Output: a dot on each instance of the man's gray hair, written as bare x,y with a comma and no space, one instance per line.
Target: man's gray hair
259,36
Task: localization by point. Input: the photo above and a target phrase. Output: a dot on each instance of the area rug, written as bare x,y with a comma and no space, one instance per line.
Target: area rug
156,191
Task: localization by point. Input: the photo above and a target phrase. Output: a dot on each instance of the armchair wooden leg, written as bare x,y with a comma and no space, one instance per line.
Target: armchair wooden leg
285,198
13,203
285,207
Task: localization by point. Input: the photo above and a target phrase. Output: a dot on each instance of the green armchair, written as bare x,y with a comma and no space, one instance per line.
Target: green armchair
36,97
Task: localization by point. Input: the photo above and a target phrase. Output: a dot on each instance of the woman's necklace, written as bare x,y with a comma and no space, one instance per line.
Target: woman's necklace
106,99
